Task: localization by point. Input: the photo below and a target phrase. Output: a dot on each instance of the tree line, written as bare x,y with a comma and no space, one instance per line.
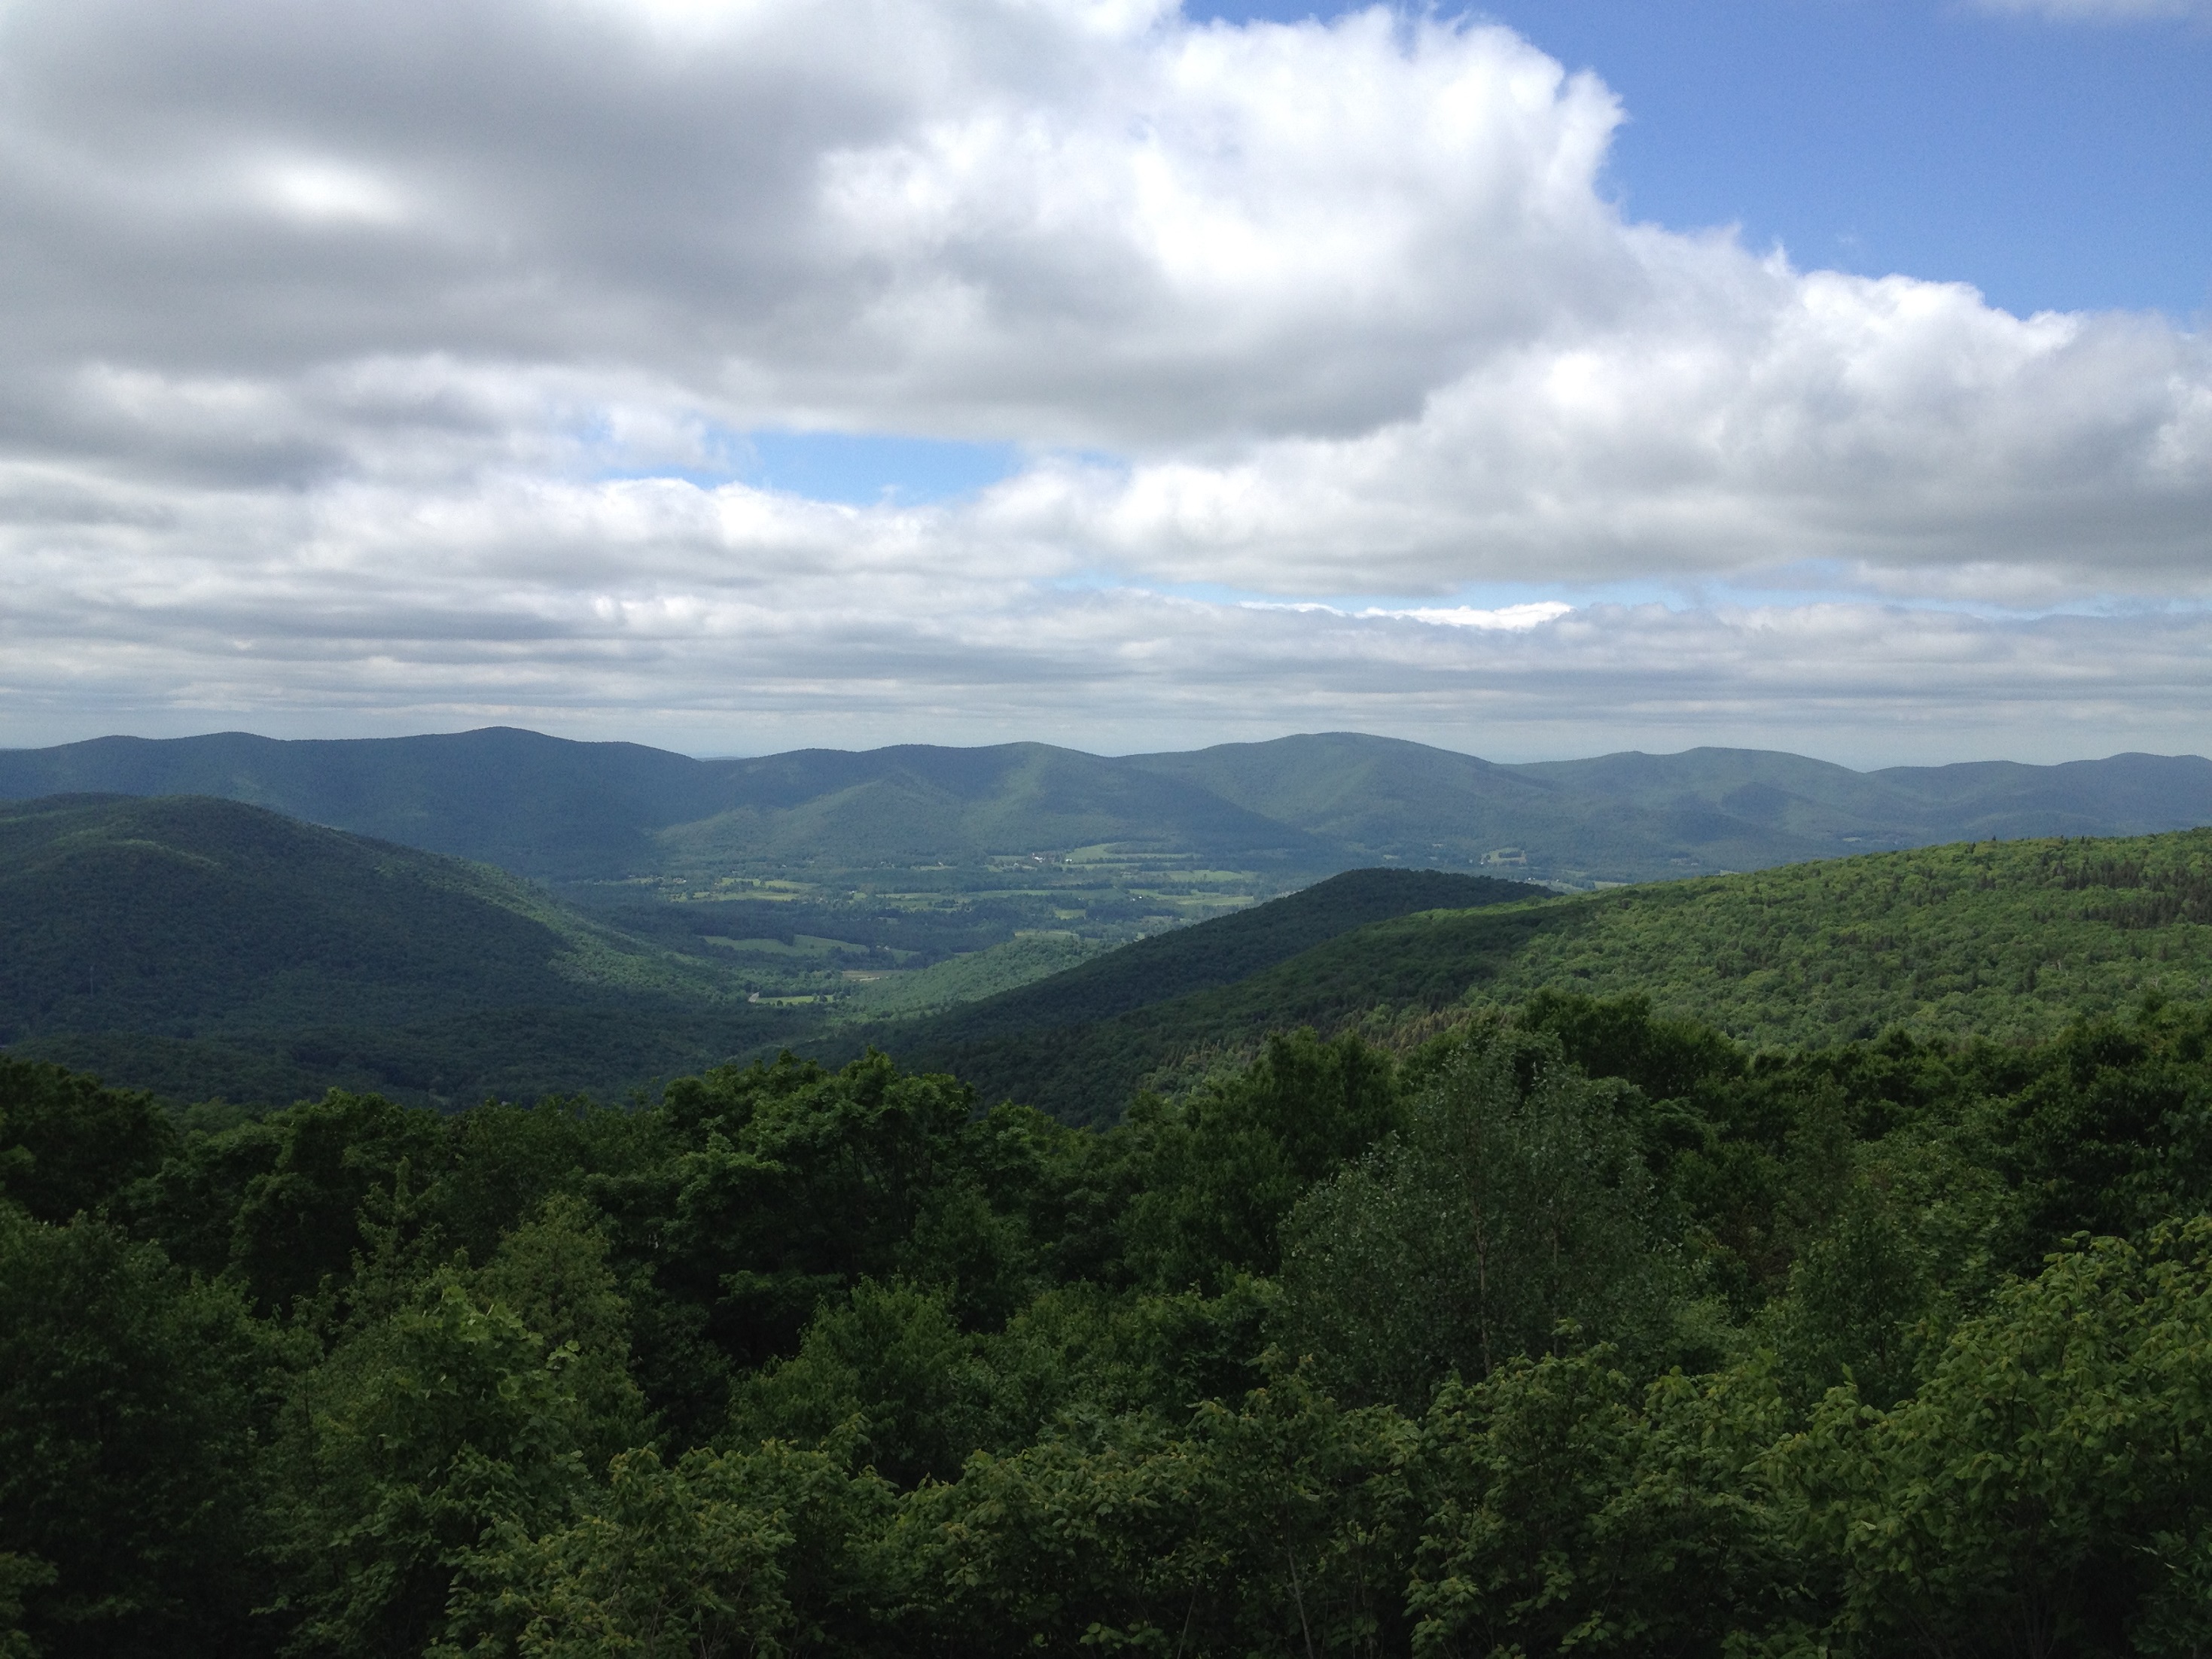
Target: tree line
1576,1329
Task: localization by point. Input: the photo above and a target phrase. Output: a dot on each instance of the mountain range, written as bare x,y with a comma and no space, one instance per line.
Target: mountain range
1302,806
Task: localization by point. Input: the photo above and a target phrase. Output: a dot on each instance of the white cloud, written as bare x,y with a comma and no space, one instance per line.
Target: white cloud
330,192
1512,618
1090,225
335,337
1750,416
1515,618
2100,11
732,619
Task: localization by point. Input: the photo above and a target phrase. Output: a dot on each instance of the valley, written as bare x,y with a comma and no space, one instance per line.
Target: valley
985,1248
199,945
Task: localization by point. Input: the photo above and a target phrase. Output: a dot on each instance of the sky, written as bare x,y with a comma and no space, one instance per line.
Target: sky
739,375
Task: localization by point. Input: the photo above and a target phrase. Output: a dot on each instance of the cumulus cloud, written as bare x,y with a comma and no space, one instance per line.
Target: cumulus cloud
735,618
2100,11
1097,228
356,359
1752,416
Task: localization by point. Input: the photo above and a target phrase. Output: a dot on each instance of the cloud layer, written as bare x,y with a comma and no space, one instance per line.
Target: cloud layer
376,366
2100,11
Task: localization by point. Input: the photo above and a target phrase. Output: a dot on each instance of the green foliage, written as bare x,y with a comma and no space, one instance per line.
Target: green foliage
1276,1522
1667,1059
885,1376
797,1183
1080,1348
2113,1131
417,1435
67,1145
1568,1511
1515,1200
2050,1488
1995,939
553,1273
19,1574
1574,1330
1858,1303
736,1553
1222,1166
131,1400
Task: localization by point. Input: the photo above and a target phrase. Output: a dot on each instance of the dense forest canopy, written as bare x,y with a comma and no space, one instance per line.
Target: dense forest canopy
1573,1327
2002,940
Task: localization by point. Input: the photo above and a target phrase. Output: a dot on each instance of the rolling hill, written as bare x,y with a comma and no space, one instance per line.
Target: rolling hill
204,947
917,803
1087,1071
549,808
200,946
2007,941
538,805
185,943
1299,807
1722,791
1210,954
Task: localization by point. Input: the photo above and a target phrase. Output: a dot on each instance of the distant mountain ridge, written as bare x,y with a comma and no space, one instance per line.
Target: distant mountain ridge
564,811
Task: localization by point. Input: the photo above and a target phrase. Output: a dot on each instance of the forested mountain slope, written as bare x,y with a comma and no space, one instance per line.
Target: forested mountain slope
2007,941
1901,806
536,804
1305,805
1659,815
197,945
918,802
546,806
182,940
1373,977
1215,953
1407,801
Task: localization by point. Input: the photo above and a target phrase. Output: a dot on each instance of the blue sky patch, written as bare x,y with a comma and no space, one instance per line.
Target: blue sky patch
867,468
2054,164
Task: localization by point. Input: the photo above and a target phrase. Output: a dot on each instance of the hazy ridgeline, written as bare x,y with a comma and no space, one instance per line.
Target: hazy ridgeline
590,814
